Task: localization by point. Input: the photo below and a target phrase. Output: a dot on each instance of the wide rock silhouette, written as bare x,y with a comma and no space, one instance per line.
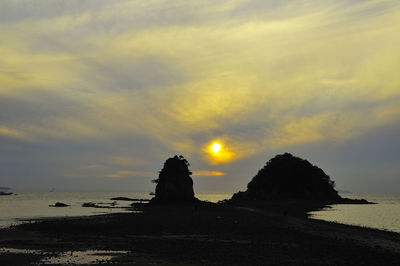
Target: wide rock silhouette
288,177
174,183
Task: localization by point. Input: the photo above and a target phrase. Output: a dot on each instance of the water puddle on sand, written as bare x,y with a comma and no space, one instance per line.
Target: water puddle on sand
70,257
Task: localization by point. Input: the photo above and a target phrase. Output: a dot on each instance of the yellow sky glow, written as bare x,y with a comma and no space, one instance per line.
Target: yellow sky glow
217,152
278,77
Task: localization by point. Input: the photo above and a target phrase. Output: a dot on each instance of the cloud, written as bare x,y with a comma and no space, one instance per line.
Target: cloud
205,173
101,171
125,160
127,173
273,71
12,133
137,82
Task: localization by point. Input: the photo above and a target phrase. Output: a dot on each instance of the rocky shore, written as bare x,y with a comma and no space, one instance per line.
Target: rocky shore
204,233
265,225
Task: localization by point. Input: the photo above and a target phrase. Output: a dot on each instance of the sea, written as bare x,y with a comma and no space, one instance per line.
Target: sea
384,215
25,206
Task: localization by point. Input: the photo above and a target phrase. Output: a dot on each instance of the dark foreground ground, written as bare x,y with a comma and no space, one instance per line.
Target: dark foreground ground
207,234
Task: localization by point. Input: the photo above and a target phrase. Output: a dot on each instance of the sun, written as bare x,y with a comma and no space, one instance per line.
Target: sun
218,152
216,147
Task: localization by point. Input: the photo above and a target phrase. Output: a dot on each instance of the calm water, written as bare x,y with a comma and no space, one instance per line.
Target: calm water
35,204
384,215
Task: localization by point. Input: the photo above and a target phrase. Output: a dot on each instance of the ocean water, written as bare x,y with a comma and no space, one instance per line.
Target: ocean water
384,215
25,205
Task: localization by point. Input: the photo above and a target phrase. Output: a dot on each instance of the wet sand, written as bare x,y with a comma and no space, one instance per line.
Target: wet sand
206,234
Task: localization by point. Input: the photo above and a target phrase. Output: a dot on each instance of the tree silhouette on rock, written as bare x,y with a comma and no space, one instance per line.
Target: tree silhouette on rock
288,177
174,183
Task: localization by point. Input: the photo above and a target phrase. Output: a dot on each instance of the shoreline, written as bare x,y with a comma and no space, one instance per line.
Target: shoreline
205,234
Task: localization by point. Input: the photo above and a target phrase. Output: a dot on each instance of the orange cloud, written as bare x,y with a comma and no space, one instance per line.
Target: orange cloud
208,173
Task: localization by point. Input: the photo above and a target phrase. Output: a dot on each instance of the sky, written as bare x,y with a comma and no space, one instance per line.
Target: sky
97,94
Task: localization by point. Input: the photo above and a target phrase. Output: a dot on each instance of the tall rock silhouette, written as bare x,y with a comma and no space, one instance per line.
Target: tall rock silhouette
174,183
288,177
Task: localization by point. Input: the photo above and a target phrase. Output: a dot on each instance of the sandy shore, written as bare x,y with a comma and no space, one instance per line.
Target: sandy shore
205,234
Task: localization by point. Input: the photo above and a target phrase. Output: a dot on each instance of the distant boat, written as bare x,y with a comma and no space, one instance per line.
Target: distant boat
3,193
52,190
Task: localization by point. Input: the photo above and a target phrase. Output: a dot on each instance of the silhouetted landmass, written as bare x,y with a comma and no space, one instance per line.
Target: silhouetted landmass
59,204
288,177
4,191
129,199
174,183
89,204
291,186
103,205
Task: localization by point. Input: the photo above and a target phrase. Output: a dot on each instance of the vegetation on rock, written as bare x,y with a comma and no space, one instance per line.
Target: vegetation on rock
288,177
174,182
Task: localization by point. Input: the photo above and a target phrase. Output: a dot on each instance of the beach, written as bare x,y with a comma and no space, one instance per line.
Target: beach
201,234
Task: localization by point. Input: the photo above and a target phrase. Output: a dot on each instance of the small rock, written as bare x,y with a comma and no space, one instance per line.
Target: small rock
59,204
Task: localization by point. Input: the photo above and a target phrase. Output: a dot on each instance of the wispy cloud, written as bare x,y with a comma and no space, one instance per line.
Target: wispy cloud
137,82
13,133
205,173
127,173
